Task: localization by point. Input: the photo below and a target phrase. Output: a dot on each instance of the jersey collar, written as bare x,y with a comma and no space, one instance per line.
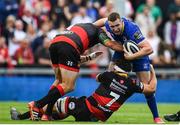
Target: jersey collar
122,30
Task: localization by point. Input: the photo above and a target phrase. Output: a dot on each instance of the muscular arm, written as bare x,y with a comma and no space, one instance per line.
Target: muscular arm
114,45
91,56
145,49
106,41
100,22
151,87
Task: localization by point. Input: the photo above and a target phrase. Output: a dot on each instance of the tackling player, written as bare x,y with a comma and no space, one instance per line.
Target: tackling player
121,30
65,51
114,89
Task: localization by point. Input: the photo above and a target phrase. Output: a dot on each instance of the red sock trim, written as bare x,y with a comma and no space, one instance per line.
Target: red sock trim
52,87
66,104
61,90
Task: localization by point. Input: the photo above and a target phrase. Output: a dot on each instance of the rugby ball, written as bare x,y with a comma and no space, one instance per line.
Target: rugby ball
130,47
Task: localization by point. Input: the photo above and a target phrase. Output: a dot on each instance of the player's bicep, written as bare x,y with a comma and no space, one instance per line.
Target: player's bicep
146,45
100,22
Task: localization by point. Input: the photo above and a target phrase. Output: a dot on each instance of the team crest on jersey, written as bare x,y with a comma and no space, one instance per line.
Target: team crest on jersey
138,35
71,105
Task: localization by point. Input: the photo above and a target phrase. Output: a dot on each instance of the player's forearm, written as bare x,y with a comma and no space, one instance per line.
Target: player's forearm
145,48
100,22
143,52
86,58
114,45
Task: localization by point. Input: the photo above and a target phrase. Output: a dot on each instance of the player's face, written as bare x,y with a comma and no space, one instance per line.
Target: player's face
116,26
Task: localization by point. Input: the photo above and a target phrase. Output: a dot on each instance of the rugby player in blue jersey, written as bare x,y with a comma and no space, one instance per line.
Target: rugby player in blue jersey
120,29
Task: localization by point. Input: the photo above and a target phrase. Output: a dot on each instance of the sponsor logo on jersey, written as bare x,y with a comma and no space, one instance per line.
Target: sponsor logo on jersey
138,35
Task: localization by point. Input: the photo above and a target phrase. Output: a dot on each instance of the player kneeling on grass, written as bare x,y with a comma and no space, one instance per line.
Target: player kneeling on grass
115,88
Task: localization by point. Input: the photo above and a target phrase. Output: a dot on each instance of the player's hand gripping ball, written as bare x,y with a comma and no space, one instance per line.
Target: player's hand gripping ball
130,47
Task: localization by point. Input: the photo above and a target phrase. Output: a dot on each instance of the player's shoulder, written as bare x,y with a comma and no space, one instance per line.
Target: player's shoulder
129,24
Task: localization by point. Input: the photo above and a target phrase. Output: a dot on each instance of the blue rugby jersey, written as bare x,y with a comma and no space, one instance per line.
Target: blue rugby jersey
130,32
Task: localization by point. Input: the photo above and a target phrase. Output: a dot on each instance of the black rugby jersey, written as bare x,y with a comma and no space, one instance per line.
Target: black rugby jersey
82,36
113,91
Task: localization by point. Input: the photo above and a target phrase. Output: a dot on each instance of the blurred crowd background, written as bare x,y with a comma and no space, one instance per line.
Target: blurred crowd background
27,26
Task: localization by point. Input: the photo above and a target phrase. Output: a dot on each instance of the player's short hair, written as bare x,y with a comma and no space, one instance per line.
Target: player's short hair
113,16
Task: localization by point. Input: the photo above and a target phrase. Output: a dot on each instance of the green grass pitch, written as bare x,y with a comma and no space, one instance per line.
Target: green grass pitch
129,113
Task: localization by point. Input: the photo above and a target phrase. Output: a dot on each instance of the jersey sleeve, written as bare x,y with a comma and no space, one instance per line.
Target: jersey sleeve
134,33
102,36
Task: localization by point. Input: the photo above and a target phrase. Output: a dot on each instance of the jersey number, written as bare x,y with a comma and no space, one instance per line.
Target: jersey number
116,97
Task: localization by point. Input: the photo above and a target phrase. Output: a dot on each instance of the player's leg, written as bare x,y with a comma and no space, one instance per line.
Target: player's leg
67,85
75,107
16,115
142,69
65,62
144,76
48,110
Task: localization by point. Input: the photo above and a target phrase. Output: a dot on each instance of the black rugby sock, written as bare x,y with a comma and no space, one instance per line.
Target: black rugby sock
51,97
50,108
25,115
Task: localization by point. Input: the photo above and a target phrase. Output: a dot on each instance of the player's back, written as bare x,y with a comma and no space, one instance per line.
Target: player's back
82,36
88,34
113,91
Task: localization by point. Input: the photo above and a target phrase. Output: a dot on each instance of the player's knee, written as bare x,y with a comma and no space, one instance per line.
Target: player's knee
68,88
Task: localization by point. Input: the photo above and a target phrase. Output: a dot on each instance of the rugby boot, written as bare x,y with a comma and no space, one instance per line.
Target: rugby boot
14,114
159,120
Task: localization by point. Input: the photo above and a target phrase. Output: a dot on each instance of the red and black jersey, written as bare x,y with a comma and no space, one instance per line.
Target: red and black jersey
113,91
82,36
